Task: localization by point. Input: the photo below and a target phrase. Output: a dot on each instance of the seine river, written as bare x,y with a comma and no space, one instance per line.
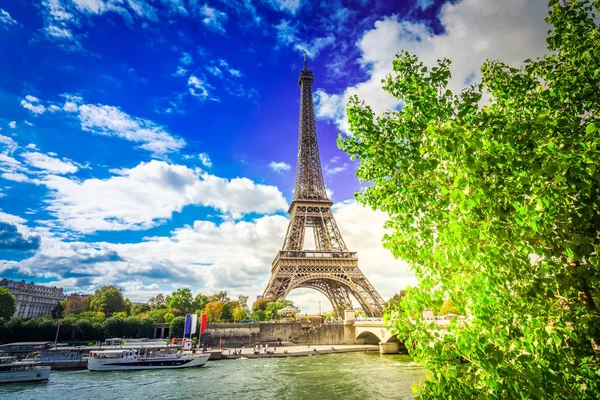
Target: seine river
337,376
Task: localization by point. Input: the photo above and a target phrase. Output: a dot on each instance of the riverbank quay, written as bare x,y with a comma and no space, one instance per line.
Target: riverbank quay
291,351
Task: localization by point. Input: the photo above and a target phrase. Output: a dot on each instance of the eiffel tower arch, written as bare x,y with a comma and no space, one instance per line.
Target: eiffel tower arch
331,268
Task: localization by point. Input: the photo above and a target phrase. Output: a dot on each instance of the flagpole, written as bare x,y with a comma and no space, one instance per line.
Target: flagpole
57,329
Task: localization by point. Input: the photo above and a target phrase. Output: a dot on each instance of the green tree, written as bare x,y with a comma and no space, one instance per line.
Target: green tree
213,311
157,302
181,301
59,309
108,299
73,306
115,327
7,304
260,304
448,308
395,300
168,318
177,326
139,308
238,314
157,315
243,301
221,296
271,311
199,301
497,208
259,315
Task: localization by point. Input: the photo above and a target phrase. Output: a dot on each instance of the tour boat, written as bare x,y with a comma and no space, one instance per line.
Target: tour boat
21,371
128,360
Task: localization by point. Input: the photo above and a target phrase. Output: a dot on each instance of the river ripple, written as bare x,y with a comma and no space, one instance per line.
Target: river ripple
338,376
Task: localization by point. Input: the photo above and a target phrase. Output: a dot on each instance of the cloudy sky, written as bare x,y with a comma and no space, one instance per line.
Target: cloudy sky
151,144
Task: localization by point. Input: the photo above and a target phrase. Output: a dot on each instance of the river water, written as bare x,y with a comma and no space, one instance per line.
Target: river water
336,376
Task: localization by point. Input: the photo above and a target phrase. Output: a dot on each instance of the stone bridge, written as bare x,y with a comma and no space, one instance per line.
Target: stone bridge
370,331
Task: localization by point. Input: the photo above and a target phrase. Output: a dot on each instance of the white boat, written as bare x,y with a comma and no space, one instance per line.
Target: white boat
128,360
22,371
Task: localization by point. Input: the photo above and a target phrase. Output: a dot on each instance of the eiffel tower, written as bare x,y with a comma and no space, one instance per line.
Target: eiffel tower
331,268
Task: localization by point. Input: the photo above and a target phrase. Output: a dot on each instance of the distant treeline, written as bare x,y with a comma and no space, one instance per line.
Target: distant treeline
44,329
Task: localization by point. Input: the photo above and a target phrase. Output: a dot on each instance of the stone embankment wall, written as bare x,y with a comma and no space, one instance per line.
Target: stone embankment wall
235,335
323,334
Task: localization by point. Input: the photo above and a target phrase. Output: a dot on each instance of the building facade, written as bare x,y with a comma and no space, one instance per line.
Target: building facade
33,300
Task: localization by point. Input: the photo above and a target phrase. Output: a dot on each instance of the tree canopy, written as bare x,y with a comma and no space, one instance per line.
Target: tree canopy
180,300
495,205
108,299
7,304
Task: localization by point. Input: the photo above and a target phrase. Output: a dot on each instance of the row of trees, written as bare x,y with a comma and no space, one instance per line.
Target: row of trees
107,313
81,329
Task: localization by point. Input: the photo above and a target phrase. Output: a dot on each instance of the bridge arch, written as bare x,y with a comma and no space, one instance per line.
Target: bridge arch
367,337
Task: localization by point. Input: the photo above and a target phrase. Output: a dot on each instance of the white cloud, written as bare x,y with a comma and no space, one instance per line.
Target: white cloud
9,143
144,196
142,9
424,4
6,19
12,124
34,108
186,58
205,160
313,47
474,30
213,18
15,176
197,87
12,219
232,71
108,120
112,121
335,170
180,71
232,256
287,35
49,164
290,6
279,166
235,72
214,70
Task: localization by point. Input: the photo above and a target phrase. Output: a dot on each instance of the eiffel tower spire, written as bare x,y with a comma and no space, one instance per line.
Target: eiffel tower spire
330,268
309,177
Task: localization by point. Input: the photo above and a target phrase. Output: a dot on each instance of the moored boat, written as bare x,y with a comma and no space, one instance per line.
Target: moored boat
128,360
22,371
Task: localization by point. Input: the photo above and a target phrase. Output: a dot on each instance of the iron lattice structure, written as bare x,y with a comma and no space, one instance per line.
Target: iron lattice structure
330,268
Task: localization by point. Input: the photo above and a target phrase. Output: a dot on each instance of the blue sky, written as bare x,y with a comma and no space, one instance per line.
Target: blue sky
151,144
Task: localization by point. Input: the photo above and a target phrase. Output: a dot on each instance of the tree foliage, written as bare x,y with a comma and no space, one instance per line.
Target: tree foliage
394,301
73,306
177,326
181,301
213,311
497,208
108,299
7,304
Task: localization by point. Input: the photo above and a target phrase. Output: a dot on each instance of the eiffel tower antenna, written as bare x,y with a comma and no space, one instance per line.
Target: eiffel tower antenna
330,268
